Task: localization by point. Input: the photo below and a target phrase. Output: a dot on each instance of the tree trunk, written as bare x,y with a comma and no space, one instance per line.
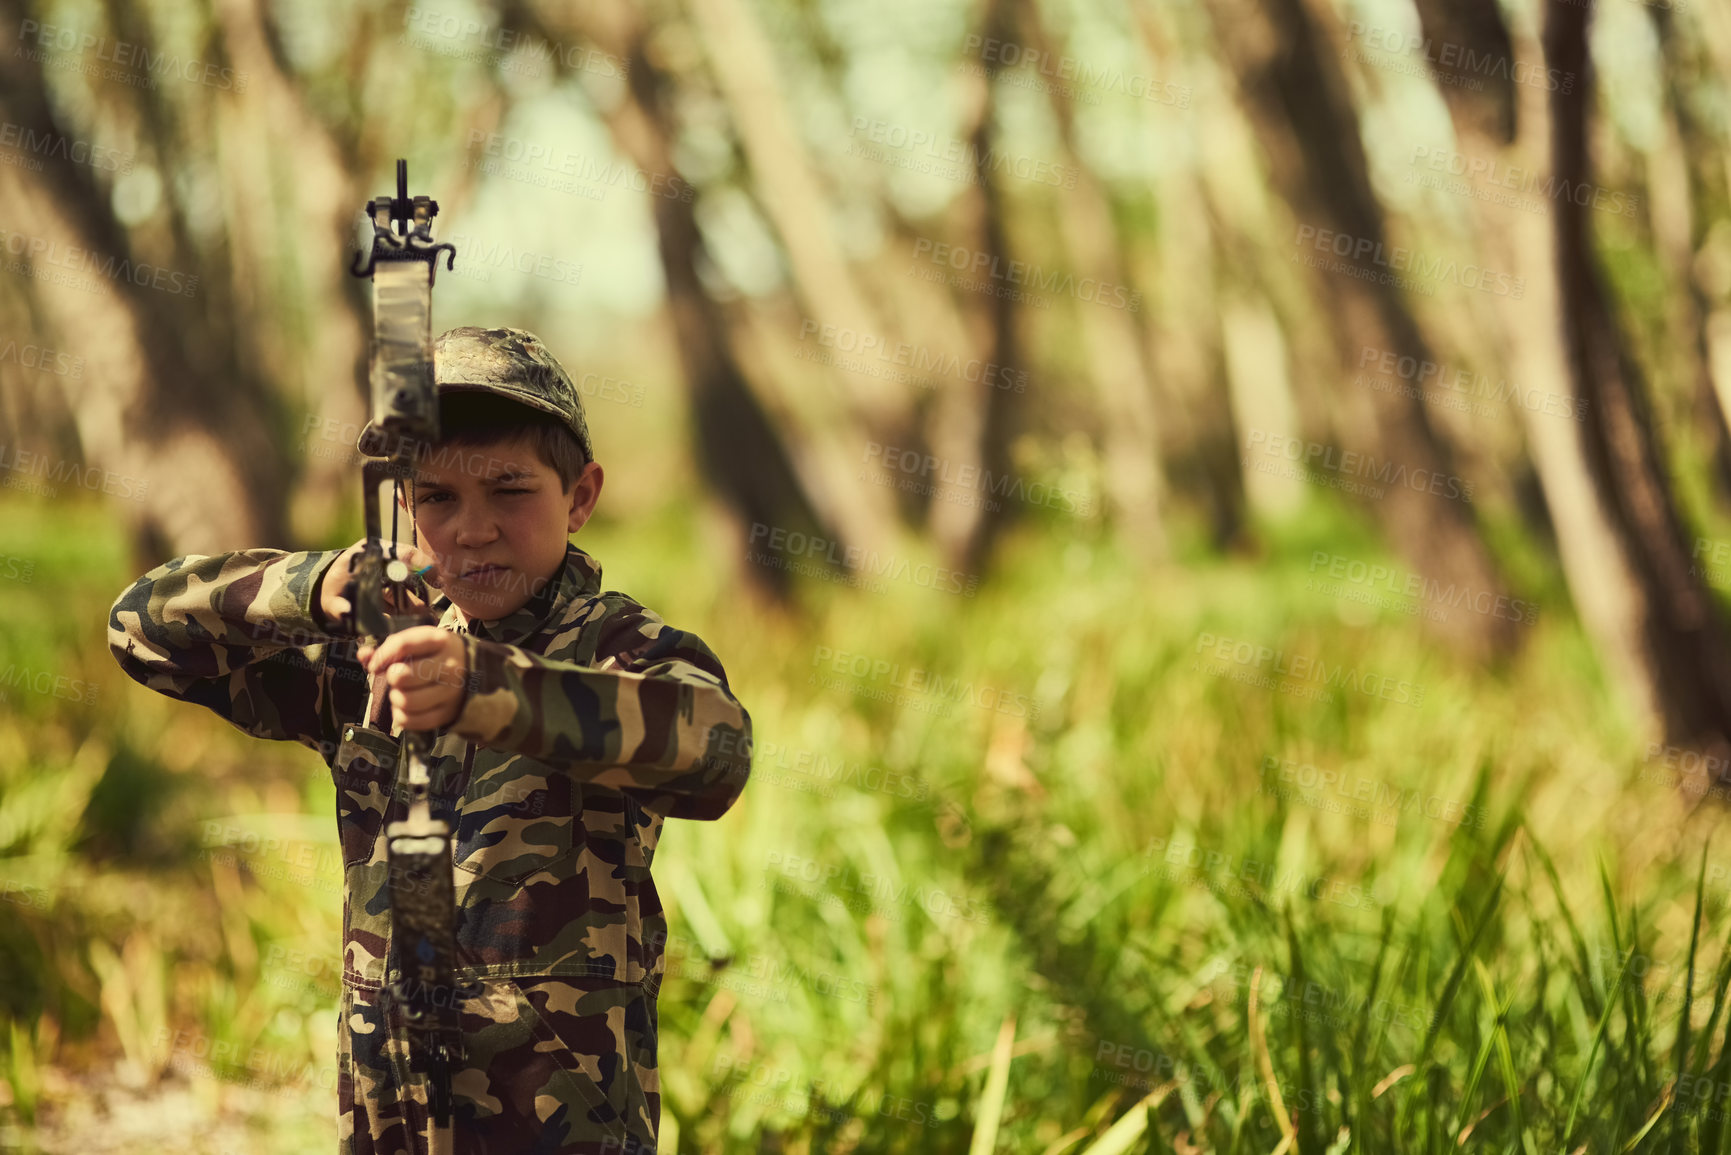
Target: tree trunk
1604,479
1256,380
1688,162
1679,626
738,447
1298,105
168,399
1191,268
1511,124
1123,381
971,422
799,209
326,369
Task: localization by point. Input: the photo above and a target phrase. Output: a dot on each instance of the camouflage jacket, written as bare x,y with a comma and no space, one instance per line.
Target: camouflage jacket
586,721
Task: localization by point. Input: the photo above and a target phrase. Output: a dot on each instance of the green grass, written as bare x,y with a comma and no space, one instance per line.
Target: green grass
1118,874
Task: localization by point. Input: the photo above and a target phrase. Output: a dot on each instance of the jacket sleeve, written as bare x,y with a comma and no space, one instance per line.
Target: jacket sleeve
238,634
653,716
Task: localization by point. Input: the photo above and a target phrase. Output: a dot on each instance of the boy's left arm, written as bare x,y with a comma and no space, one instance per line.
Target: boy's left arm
654,717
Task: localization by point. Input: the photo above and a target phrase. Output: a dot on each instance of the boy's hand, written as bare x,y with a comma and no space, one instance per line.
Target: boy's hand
331,601
425,667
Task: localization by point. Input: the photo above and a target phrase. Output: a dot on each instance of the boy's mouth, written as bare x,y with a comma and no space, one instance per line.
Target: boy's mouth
484,573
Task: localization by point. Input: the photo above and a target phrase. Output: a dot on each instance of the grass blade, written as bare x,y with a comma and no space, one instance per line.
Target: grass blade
1665,1101
997,1085
1264,1064
1713,1126
1680,1060
1445,1001
1721,983
1119,1137
1470,1091
1451,986
1593,1051
1505,1053
1634,994
1589,996
1309,1142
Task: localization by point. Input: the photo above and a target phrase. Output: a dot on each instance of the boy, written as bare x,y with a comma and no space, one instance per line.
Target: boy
568,723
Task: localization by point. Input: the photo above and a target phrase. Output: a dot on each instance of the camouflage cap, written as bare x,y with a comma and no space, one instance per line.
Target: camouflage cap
511,363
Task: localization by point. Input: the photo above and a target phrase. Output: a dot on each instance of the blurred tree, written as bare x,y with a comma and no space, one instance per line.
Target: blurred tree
1510,122
1688,189
1208,318
1297,101
1682,638
738,446
1605,479
174,393
1117,357
782,176
972,421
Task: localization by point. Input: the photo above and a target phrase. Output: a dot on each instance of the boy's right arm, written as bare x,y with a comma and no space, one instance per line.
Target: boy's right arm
206,630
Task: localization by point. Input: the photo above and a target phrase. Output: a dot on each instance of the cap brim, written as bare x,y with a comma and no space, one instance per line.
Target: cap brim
371,442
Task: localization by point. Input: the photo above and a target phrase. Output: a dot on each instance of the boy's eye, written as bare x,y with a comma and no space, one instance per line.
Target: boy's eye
426,497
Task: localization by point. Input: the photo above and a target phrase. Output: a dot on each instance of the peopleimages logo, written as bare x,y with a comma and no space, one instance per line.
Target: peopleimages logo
967,161
923,681
773,545
1379,797
528,262
1401,259
1012,55
1462,58
52,144
137,58
1303,668
42,359
62,470
1183,861
976,263
465,30
1318,460
48,682
936,472
1405,583
864,893
1423,375
542,163
42,251
1499,174
917,358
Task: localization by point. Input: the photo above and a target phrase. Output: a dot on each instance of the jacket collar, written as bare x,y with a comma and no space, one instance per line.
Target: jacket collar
579,577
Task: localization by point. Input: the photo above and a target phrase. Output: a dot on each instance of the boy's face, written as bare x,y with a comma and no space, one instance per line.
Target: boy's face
497,523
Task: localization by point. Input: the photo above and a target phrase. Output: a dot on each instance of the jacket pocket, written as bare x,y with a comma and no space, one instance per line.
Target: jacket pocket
605,1030
365,773
515,820
572,1052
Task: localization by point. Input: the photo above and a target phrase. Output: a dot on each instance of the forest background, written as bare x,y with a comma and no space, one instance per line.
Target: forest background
1220,511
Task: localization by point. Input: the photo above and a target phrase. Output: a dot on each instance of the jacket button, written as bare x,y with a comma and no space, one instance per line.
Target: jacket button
349,734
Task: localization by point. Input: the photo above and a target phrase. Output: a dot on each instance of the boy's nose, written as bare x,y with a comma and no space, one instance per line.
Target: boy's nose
475,527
